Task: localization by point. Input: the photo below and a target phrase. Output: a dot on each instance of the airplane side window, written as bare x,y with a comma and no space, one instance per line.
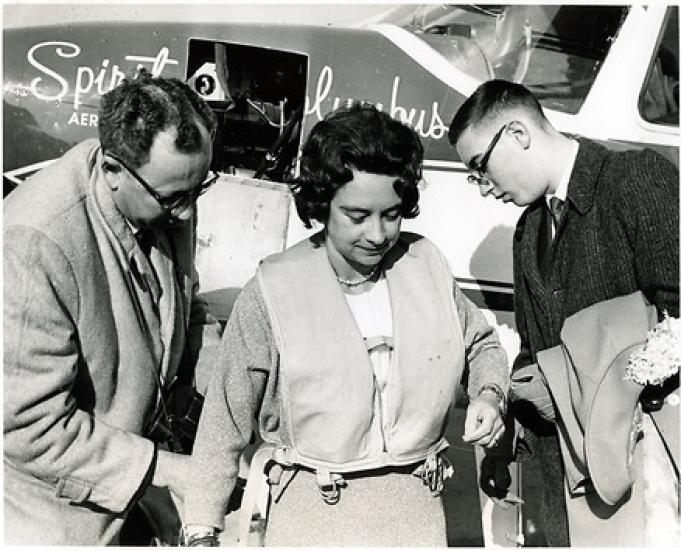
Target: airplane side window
659,99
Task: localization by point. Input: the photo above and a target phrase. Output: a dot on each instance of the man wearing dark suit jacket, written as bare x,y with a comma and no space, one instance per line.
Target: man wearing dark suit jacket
597,224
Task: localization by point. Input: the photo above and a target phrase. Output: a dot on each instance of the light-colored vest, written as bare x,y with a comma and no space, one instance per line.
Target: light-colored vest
327,382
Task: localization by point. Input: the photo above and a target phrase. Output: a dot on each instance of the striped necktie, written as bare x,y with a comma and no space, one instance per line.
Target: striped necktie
556,207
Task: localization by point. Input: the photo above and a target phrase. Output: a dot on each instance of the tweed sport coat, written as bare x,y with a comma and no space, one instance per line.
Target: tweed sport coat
84,352
620,234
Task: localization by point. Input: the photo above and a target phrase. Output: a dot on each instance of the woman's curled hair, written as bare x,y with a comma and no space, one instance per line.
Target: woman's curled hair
364,139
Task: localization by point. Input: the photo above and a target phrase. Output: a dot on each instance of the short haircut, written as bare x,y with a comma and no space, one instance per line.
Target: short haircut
133,113
362,138
490,99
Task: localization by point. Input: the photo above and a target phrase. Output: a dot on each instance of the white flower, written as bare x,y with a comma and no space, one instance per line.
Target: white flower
660,357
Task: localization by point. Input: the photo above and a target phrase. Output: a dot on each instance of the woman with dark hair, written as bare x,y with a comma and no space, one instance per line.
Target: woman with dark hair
347,349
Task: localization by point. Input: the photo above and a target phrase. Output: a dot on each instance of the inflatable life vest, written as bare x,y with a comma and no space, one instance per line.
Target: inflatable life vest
326,378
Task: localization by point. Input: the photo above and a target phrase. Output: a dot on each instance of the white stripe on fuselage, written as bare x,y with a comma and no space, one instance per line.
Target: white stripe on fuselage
19,175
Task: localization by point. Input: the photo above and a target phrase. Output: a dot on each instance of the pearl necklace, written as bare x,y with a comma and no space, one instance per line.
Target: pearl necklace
357,282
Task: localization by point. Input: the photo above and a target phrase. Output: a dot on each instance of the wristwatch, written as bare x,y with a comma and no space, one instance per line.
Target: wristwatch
200,537
499,394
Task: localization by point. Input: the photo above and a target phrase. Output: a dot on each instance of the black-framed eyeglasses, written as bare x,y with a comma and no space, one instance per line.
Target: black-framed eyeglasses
176,200
477,175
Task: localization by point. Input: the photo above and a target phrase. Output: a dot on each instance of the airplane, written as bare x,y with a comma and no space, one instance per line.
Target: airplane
270,72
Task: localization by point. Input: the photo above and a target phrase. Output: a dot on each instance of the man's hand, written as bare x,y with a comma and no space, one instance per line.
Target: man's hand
528,385
172,471
484,424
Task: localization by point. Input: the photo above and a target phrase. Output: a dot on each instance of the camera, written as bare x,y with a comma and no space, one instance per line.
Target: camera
177,419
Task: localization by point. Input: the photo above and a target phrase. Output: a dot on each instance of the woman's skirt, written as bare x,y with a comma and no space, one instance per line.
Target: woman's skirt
385,507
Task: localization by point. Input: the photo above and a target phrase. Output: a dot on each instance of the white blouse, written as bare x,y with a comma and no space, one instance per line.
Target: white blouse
373,315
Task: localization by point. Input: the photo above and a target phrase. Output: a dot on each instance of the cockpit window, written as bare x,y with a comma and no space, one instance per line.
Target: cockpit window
556,51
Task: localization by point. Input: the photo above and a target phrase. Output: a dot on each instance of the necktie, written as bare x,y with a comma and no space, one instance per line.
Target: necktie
553,214
556,207
145,241
545,241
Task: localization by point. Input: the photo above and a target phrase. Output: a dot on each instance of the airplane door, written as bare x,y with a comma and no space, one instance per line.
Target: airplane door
258,95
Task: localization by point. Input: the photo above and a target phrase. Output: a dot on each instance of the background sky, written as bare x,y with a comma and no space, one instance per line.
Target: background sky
19,14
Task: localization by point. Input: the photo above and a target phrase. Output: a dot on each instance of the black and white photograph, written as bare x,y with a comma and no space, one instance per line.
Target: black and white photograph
324,274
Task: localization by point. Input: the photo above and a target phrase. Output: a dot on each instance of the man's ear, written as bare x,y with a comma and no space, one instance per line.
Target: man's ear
520,132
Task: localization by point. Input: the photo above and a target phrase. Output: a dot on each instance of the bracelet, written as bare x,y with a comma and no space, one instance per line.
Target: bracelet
499,394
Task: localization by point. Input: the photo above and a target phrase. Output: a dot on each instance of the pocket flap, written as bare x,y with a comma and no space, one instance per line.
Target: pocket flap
74,489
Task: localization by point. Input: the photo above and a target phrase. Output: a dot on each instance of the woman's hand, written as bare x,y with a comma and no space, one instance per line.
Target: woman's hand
484,423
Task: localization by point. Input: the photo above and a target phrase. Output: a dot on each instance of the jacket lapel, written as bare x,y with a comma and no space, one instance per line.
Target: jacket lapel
169,305
588,165
131,262
529,255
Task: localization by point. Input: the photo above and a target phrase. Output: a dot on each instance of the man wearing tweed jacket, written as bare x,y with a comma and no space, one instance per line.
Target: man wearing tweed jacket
99,308
597,224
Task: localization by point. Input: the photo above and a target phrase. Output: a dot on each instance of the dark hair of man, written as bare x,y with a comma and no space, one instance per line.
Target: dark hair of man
133,113
364,139
490,99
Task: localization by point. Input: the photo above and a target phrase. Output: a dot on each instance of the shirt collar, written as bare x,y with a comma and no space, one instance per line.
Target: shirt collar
561,190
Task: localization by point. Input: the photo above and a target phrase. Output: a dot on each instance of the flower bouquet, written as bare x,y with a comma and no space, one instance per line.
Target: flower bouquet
660,357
